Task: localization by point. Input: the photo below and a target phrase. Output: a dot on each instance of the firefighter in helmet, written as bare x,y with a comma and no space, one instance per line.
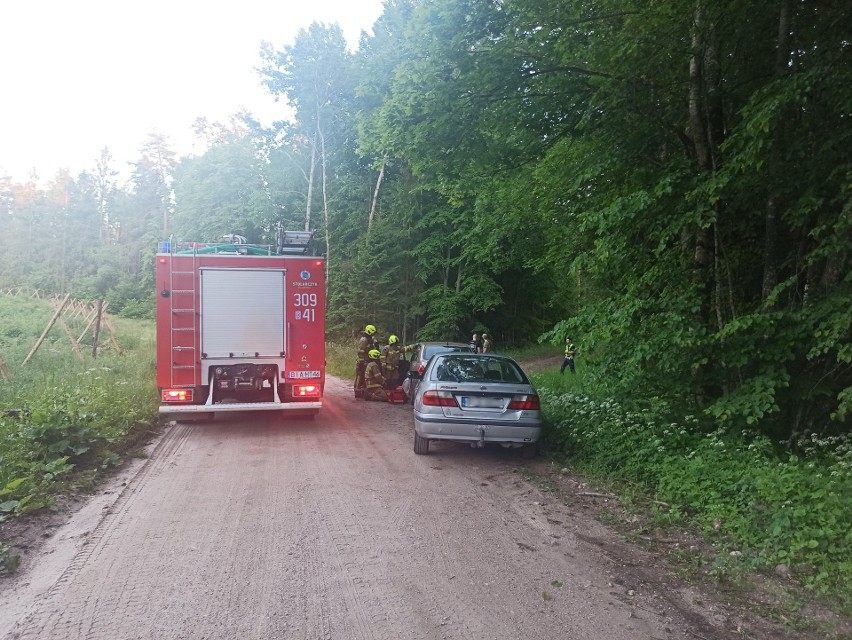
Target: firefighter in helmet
373,378
391,355
365,343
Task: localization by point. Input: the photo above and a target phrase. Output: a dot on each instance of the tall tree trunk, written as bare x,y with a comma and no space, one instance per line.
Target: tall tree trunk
770,233
324,204
705,129
702,258
311,173
696,92
376,197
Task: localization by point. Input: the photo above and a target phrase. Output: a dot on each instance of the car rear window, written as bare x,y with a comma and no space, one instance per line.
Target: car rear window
432,349
472,368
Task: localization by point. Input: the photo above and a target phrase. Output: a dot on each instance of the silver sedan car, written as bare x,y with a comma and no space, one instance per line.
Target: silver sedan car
476,398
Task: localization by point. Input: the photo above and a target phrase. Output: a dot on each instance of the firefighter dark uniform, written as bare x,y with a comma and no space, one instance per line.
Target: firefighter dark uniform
391,355
373,378
365,344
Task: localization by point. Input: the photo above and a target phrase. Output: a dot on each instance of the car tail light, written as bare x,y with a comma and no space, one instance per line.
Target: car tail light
439,399
524,403
177,395
307,391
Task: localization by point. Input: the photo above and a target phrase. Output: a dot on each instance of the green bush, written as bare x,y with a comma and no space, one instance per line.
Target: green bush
775,507
340,358
63,411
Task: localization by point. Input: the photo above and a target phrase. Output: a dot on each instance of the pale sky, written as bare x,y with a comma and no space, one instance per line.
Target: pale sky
81,75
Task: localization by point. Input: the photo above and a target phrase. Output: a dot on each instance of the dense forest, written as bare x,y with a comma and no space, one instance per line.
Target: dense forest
666,182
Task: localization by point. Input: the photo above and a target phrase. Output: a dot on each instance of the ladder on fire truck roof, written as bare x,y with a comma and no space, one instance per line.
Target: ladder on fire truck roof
184,334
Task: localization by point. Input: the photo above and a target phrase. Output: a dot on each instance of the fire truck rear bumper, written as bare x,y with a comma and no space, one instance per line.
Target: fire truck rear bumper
240,406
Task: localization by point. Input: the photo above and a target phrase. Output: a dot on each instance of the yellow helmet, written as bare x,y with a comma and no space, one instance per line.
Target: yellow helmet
375,354
369,329
393,340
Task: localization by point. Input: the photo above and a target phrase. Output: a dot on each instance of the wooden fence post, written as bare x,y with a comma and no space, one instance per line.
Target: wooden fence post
74,344
97,332
49,325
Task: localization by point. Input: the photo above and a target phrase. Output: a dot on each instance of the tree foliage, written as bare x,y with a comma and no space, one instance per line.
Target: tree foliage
667,182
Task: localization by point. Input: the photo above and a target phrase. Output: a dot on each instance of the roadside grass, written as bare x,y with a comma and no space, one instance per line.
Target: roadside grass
340,358
763,509
64,419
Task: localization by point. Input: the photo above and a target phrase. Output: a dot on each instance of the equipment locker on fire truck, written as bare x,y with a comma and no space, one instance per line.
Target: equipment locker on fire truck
240,326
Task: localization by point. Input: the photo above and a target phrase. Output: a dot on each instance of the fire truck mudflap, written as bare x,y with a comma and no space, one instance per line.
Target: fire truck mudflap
240,327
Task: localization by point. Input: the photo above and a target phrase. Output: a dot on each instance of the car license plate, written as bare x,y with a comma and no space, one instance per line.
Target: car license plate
479,402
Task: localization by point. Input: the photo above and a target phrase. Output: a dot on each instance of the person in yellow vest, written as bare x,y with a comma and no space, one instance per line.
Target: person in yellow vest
373,378
568,360
365,344
391,355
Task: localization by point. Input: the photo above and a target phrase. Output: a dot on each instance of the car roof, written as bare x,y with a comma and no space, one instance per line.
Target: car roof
481,356
439,343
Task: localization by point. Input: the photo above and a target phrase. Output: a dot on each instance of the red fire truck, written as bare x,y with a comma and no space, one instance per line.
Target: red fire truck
240,327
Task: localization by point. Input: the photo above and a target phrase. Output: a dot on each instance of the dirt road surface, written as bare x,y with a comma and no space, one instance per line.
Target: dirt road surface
251,527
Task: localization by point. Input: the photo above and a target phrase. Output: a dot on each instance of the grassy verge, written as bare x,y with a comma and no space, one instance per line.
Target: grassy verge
340,358
66,418
763,508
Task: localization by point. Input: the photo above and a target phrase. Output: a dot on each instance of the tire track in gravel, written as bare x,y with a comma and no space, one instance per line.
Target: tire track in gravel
34,625
373,526
356,550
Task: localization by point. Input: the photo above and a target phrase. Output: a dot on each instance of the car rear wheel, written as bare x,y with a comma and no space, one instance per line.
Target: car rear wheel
421,445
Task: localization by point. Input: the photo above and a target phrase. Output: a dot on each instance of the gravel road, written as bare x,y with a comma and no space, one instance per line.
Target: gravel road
254,527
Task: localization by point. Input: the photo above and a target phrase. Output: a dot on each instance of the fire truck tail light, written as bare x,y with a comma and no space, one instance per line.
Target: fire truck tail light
307,391
177,395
